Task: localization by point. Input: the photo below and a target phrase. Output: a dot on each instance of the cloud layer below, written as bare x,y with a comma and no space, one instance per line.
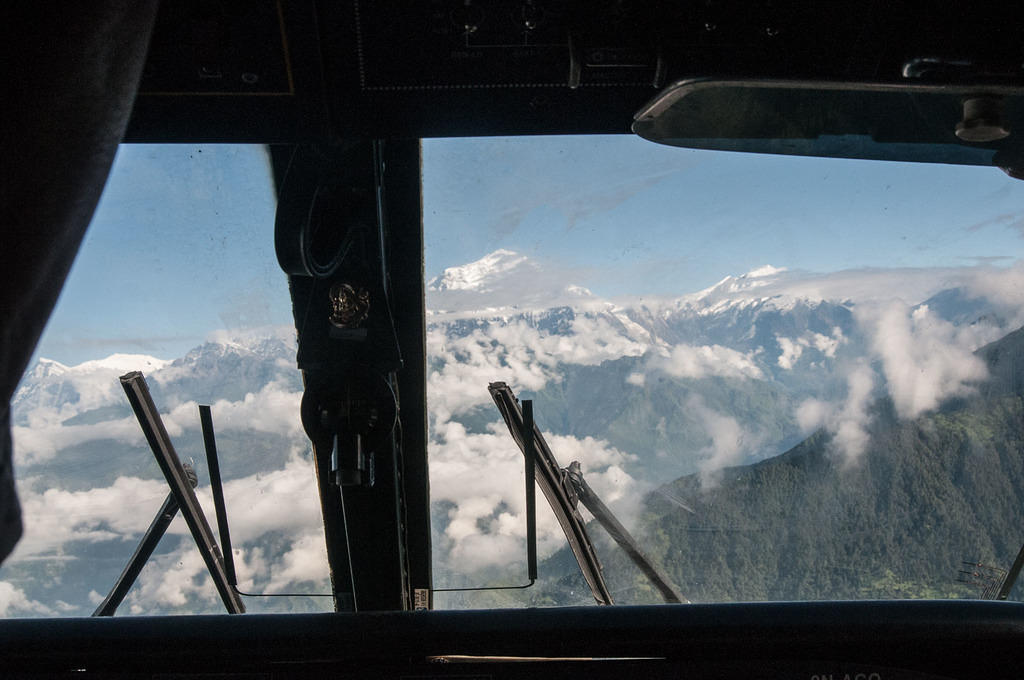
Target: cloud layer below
906,351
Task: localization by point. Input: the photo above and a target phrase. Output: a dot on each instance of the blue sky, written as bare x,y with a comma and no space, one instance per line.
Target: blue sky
182,242
654,219
180,245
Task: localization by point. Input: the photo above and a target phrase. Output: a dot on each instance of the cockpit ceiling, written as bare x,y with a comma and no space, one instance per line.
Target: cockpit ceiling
279,71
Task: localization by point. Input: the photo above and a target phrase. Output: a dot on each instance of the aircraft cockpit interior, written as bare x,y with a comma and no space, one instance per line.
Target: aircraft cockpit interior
305,301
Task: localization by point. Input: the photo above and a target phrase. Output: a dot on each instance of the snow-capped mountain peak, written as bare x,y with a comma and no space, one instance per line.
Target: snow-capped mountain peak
62,391
121,363
480,275
46,367
754,287
765,270
238,364
731,285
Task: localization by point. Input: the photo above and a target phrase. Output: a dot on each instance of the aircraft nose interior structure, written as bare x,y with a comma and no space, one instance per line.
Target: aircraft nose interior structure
341,94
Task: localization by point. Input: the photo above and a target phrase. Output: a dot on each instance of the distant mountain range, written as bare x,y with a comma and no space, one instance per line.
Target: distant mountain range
752,347
709,388
215,370
882,498
929,497
89,485
927,494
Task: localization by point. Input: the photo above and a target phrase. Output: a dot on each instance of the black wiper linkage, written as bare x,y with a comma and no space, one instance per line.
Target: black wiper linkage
564,489
603,514
549,478
181,479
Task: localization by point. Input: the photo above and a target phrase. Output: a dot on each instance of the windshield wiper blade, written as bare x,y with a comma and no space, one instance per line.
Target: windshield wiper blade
168,511
592,502
152,425
566,488
549,478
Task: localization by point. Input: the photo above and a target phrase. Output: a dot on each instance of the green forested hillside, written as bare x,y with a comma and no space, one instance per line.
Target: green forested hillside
926,495
658,421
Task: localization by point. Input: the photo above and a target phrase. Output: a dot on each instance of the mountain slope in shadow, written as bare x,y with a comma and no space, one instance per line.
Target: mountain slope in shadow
926,495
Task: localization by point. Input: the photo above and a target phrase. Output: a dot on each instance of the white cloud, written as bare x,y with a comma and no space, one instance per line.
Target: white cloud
466,365
592,341
304,561
828,344
14,602
729,441
812,414
925,359
172,581
701,361
847,421
1003,287
283,501
40,442
638,379
56,516
516,353
850,424
481,475
273,409
793,349
764,270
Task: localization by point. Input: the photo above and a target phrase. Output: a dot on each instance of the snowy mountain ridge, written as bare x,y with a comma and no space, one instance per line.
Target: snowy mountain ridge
639,389
482,274
232,367
506,283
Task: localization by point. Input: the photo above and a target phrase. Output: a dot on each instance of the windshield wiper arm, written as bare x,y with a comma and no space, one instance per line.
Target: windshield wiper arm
168,511
549,478
152,425
565,488
592,502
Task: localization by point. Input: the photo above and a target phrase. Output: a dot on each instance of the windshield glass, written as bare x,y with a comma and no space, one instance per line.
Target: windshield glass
177,279
789,378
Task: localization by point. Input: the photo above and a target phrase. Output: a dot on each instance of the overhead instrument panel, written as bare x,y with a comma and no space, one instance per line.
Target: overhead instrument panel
218,48
458,44
231,71
302,70
481,44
